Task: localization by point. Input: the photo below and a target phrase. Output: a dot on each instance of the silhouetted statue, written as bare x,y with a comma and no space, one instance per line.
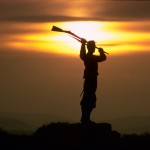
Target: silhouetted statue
88,101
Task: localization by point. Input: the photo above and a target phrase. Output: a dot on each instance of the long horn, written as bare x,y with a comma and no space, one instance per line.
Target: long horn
54,28
78,39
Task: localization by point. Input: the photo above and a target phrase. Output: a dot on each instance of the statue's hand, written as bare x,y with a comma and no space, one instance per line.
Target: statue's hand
100,50
83,41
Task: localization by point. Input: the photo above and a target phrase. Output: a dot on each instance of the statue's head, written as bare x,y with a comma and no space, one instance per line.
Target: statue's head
91,46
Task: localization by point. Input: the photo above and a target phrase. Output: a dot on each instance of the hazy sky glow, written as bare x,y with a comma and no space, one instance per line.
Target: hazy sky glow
41,70
119,26
115,37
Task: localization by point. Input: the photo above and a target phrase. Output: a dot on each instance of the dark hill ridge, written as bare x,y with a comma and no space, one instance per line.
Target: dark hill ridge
26,122
131,124
57,136
12,124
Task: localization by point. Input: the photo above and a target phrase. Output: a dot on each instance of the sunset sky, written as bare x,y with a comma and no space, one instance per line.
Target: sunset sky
41,71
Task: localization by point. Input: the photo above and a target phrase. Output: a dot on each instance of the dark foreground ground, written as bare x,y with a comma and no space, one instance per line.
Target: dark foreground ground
58,136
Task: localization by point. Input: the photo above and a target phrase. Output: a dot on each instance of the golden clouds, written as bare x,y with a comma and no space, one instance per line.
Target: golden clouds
114,37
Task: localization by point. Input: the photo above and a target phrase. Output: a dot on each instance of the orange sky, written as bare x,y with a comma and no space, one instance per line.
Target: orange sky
42,73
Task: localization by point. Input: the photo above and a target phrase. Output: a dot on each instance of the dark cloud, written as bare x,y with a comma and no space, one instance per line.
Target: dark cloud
15,10
61,10
123,11
42,18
